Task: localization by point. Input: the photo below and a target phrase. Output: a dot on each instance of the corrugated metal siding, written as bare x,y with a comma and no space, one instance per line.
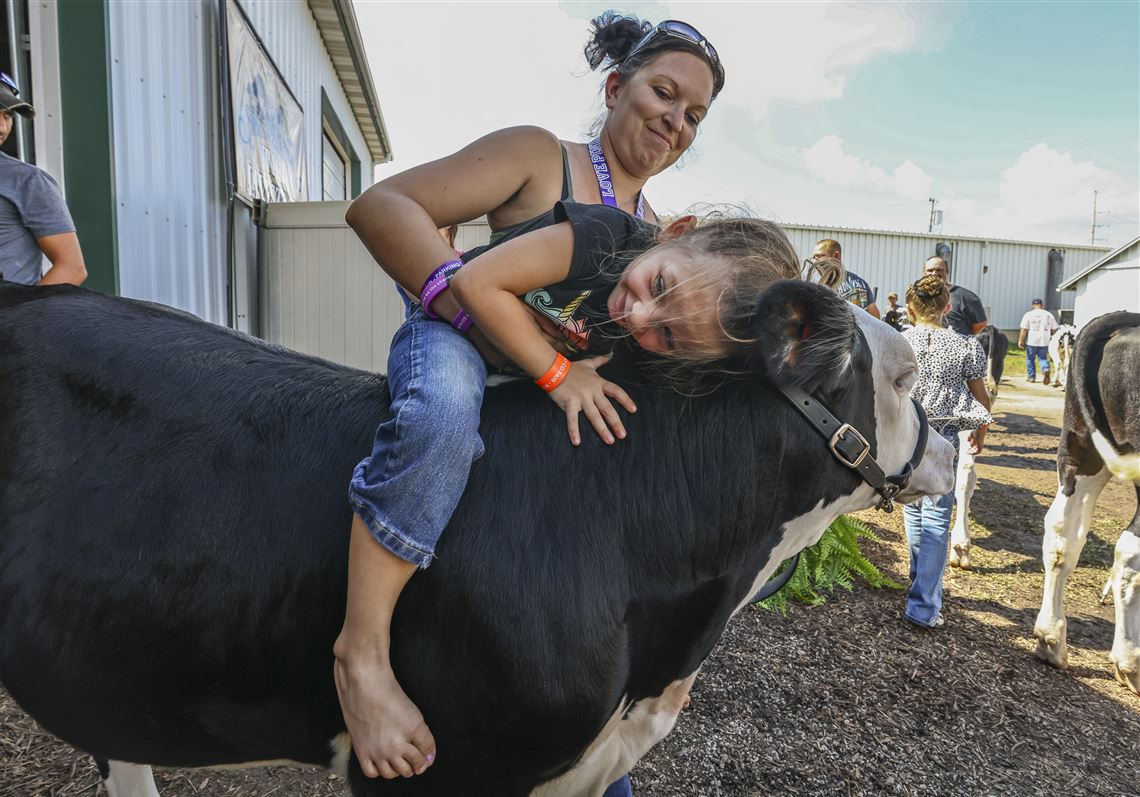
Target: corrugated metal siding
291,37
168,183
1106,290
170,188
321,291
1007,275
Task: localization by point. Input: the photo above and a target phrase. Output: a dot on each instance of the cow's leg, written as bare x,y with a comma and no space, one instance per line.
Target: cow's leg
129,780
1067,526
1126,592
621,744
963,491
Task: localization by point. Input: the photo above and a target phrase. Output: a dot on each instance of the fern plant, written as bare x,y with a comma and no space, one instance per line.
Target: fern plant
835,560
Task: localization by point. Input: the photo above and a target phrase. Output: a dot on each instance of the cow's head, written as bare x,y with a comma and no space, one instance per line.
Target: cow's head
861,369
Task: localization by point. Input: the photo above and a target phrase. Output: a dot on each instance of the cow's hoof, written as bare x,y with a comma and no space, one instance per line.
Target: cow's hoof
1052,650
1129,679
960,556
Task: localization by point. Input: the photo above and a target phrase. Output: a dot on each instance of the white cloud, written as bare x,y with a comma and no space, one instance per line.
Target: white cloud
1048,195
828,161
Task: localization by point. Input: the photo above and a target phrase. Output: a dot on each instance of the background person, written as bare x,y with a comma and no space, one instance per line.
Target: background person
950,385
34,220
895,313
1037,326
853,288
661,83
967,316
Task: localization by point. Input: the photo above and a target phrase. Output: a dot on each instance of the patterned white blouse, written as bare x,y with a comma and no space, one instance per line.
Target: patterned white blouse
946,361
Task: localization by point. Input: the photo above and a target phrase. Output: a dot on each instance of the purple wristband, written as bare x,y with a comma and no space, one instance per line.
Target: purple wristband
436,284
462,321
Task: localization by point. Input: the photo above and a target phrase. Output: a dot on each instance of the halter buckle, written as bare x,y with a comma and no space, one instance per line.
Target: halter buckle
839,436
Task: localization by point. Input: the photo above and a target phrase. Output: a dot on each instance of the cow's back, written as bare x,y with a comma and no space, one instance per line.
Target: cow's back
123,428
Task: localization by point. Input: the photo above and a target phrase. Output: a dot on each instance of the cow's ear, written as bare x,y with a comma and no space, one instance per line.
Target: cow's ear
805,335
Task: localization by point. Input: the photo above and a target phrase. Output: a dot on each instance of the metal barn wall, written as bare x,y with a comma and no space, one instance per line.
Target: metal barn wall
169,183
169,187
320,290
1007,275
292,39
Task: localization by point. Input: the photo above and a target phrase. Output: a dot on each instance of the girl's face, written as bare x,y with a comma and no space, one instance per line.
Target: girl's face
666,304
655,114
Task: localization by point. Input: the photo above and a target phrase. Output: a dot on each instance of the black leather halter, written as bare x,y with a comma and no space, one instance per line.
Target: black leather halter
852,449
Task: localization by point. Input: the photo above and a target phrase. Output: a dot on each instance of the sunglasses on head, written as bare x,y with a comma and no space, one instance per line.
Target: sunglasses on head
678,30
11,84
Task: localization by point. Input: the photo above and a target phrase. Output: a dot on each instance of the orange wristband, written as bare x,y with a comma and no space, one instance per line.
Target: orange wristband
554,374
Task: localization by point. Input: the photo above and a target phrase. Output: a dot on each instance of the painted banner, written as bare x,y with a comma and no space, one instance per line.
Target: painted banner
269,143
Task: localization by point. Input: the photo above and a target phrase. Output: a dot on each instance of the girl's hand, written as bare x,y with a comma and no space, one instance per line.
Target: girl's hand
976,440
583,391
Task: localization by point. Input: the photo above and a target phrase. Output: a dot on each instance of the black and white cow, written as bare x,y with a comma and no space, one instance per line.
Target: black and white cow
995,343
1100,439
1061,352
173,541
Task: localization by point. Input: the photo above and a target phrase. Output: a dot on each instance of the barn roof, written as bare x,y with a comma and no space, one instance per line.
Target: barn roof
1072,281
336,21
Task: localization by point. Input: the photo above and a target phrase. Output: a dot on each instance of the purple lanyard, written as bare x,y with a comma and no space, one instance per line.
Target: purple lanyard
605,185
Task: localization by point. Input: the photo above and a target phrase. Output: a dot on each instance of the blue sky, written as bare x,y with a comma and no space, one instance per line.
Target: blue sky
843,114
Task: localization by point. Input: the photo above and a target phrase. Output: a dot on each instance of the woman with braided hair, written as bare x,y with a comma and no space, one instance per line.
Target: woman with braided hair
950,386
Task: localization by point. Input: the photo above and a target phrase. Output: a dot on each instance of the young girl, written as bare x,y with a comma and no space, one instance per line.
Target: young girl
595,276
950,385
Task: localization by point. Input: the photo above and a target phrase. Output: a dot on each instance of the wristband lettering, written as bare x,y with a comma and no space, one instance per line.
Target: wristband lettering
554,374
436,284
462,321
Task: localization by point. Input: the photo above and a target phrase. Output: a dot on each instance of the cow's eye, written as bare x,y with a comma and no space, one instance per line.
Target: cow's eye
905,381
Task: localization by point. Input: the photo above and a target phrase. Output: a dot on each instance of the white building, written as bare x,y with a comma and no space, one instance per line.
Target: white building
169,123
1111,283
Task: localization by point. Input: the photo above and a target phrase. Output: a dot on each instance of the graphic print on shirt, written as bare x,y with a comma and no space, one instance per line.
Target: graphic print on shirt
573,329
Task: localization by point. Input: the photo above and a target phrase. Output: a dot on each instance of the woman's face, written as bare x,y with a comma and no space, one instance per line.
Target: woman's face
655,114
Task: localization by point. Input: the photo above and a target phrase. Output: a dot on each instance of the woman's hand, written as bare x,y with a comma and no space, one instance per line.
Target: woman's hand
976,439
584,391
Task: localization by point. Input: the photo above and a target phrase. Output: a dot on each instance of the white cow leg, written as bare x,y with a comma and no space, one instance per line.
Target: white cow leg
130,780
967,480
1126,592
1067,525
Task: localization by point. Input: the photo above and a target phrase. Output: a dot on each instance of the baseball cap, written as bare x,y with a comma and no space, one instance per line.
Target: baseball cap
1037,301
10,98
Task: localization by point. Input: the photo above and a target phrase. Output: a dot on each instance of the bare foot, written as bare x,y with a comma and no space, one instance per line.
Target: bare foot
388,732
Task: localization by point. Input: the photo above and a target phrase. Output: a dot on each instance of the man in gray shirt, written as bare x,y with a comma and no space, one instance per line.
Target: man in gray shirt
34,220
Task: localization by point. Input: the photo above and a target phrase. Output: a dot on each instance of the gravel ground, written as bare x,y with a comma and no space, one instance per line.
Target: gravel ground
846,698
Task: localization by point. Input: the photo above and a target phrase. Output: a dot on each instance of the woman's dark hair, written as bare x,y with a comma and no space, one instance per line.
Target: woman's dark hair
613,35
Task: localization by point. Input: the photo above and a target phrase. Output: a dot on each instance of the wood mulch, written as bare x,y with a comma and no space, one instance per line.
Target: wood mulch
846,698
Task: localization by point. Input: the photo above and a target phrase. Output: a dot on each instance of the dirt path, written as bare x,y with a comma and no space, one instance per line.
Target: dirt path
846,698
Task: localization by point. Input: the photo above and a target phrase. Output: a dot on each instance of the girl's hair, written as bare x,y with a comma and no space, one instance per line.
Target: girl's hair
927,298
740,258
613,35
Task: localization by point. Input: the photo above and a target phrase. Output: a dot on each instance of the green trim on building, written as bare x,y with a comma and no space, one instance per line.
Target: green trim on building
88,146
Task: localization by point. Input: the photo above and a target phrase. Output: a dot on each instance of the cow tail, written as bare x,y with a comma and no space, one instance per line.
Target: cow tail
1086,362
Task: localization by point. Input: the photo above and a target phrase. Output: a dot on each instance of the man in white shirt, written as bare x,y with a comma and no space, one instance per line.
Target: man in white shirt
1037,326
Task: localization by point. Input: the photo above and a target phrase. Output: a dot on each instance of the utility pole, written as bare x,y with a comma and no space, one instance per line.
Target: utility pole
930,226
1092,235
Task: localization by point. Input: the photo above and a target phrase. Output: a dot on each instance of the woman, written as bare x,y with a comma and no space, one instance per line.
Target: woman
663,81
950,386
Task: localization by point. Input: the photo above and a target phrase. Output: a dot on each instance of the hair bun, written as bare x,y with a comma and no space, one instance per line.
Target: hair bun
612,36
